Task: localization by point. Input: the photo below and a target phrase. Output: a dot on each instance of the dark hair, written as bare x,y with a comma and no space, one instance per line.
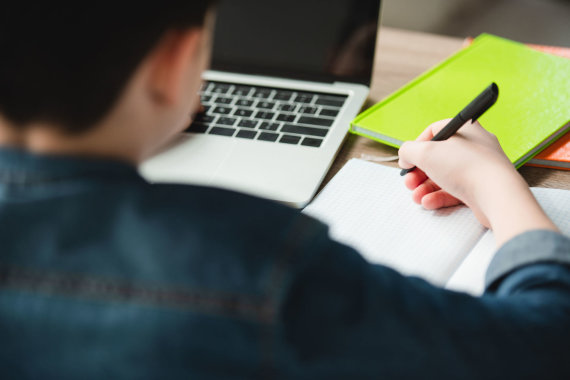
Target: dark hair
66,63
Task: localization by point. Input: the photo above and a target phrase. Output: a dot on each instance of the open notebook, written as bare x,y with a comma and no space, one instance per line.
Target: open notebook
368,207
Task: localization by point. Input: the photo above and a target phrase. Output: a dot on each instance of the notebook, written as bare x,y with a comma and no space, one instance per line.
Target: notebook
531,112
368,207
556,156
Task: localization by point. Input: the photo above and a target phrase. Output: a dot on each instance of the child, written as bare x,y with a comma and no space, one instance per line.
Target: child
103,274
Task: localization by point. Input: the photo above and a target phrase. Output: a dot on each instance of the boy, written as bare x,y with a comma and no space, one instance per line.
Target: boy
103,274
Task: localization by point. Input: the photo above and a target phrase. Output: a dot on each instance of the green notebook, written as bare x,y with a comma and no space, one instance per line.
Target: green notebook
532,111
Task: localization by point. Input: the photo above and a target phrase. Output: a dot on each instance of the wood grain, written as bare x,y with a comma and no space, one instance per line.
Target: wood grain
401,56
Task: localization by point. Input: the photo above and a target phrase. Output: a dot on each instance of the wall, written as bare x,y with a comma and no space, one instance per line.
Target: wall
533,21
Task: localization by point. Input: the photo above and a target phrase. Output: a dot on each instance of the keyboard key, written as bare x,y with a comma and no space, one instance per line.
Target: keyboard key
267,136
197,128
205,85
242,90
206,119
328,112
283,95
265,105
222,110
243,113
226,121
319,132
333,102
244,103
205,98
262,93
289,139
286,107
222,131
341,98
265,126
307,141
316,121
264,115
248,123
223,100
308,110
286,117
304,98
245,134
219,88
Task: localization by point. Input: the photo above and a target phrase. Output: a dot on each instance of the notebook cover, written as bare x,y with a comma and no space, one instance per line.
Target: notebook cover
556,156
556,50
532,110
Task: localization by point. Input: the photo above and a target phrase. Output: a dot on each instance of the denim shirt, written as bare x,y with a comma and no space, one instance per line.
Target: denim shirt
104,275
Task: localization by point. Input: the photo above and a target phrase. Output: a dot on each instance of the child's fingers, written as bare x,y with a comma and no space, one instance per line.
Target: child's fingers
439,199
410,153
414,179
428,186
403,160
432,130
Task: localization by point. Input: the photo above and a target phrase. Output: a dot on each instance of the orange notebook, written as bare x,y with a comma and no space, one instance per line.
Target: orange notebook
557,155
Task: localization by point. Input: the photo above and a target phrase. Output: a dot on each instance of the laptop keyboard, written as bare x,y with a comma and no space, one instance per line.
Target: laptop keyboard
266,114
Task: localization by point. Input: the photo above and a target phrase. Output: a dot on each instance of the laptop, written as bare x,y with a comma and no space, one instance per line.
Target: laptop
286,80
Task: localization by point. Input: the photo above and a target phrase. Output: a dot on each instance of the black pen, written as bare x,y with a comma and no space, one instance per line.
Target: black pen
472,112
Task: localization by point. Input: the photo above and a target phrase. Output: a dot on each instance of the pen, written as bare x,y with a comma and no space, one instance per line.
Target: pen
472,112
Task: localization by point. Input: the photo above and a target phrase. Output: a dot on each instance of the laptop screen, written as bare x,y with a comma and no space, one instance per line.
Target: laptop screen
321,40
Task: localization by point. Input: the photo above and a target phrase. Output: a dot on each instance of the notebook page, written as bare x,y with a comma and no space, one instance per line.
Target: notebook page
368,207
470,276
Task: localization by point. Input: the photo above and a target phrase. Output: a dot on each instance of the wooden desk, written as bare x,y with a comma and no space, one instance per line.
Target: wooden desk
401,56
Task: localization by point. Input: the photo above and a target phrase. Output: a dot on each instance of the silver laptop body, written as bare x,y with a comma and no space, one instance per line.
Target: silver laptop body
287,78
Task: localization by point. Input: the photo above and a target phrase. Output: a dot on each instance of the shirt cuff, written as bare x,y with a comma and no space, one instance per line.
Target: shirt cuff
528,248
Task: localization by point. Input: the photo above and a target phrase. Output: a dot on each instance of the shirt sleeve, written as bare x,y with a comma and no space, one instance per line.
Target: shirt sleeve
342,317
526,249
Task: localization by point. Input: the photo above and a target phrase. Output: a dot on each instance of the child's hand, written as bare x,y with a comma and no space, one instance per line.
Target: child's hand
448,172
471,168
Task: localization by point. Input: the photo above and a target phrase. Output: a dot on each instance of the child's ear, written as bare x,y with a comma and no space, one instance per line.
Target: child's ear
170,61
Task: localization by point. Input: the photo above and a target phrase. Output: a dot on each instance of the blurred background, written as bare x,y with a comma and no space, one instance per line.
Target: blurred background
544,22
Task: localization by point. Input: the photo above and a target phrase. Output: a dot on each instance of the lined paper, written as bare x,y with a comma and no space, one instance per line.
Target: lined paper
368,207
470,276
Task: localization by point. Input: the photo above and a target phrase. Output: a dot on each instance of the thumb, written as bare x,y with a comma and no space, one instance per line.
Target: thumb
432,130
413,153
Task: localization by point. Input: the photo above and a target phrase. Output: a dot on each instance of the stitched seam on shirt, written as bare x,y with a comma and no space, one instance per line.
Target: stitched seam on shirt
91,288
